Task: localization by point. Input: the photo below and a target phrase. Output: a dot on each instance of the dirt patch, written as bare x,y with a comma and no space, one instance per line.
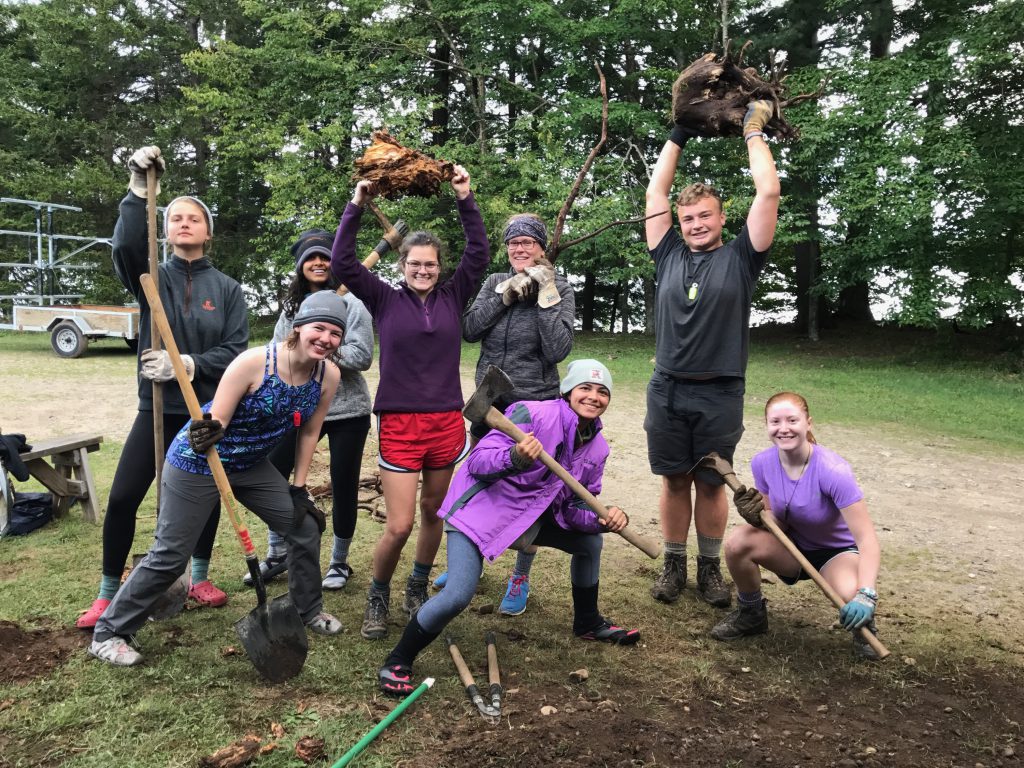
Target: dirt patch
972,719
28,654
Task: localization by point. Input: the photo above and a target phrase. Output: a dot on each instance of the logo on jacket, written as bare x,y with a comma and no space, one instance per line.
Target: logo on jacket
208,306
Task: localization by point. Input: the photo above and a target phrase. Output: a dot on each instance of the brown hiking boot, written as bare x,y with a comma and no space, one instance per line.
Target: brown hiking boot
670,583
375,618
711,587
415,595
744,621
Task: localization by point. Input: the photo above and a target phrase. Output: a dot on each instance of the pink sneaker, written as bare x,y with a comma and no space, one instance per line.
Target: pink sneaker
88,619
205,593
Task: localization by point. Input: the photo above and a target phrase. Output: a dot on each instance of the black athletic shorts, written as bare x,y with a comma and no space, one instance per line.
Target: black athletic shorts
819,558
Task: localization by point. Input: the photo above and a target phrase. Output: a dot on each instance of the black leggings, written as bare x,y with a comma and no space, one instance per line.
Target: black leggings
136,470
346,438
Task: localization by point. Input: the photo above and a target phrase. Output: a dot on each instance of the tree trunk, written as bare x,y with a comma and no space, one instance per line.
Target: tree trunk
586,306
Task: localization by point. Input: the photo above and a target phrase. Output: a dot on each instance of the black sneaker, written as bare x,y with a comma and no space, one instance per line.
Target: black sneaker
375,618
670,583
270,568
711,587
744,621
415,595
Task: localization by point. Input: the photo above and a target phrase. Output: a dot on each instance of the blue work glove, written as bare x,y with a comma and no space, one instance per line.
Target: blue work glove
859,611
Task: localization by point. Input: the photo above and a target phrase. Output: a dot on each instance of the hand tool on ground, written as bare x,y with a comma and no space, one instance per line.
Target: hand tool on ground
494,674
393,236
496,383
364,742
154,334
273,634
466,677
717,464
170,603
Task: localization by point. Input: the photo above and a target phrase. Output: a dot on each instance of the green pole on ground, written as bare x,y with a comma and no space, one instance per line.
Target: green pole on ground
364,742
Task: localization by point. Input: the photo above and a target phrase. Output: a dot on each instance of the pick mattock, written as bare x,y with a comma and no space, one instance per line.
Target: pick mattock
394,234
717,464
479,408
273,635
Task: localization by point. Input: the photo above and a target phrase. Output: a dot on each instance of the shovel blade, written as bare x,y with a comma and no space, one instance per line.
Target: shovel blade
274,637
171,602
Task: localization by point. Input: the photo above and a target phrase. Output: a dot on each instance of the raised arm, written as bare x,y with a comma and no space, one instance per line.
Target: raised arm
660,185
764,211
344,263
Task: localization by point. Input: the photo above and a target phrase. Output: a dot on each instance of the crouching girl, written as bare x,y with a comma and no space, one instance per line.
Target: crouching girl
502,498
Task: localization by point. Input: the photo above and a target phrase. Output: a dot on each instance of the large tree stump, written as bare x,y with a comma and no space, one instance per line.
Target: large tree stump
711,95
396,170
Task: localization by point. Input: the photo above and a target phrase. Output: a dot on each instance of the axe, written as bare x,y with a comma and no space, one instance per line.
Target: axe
716,463
393,236
479,408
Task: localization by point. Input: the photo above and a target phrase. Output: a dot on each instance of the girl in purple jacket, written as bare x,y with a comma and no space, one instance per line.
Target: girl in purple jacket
503,498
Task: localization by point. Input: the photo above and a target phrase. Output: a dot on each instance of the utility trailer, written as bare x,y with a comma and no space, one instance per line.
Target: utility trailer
71,327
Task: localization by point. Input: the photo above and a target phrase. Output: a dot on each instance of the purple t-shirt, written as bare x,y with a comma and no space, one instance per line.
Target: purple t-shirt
808,508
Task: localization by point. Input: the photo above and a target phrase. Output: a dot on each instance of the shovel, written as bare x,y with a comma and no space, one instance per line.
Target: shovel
273,635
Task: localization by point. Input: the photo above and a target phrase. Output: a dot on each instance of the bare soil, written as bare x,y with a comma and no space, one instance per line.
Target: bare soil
28,654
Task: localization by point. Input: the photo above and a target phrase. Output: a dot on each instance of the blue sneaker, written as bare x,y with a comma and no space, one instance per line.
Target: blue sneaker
440,581
514,602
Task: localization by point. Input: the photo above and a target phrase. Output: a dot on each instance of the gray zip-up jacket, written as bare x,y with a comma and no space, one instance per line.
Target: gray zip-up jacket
525,341
354,356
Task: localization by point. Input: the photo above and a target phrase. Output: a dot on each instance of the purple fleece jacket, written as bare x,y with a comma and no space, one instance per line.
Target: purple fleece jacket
493,502
419,341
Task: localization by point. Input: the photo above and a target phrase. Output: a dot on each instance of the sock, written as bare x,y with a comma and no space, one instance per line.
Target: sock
524,562
414,639
339,554
420,570
675,547
584,605
108,587
708,546
383,587
200,569
750,598
277,547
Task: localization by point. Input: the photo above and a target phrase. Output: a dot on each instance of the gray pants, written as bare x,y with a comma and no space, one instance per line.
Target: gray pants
187,500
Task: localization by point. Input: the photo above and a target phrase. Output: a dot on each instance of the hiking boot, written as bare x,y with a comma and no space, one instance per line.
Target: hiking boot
324,624
375,618
514,602
270,568
395,680
205,593
861,649
88,619
440,581
711,587
115,650
415,595
337,576
745,620
670,583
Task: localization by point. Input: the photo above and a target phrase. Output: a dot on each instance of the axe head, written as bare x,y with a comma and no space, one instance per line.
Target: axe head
715,463
494,384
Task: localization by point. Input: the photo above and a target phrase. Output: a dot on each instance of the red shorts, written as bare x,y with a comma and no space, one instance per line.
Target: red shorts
410,442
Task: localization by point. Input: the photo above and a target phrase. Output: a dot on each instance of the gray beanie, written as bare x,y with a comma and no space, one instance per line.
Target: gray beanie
311,242
583,371
322,307
194,201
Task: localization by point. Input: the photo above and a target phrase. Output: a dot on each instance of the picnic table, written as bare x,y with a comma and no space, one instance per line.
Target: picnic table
62,465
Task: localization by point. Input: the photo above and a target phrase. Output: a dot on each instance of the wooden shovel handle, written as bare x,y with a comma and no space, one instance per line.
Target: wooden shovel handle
154,331
769,522
497,420
195,410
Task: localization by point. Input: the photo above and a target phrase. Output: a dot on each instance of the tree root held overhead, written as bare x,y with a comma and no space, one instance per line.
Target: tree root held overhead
395,170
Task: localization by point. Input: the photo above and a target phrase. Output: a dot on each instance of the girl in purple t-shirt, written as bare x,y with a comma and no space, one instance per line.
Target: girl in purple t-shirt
815,499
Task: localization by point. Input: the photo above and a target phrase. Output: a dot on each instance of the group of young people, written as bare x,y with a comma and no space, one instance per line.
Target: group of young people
266,408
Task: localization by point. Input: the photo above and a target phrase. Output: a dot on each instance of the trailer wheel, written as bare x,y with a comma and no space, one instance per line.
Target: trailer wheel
68,341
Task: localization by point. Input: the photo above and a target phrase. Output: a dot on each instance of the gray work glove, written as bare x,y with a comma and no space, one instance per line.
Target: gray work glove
543,273
139,163
156,365
204,434
517,288
750,504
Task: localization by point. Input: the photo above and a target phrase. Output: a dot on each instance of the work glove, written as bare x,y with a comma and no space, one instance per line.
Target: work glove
156,365
139,163
757,116
204,434
303,505
517,288
750,504
859,611
543,273
681,134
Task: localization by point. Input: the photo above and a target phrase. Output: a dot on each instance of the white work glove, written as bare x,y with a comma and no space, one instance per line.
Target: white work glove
543,273
517,288
156,365
139,163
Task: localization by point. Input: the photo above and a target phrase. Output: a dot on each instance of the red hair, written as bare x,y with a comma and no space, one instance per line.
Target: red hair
798,400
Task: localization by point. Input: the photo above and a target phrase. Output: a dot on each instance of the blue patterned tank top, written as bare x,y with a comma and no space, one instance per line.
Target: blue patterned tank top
260,422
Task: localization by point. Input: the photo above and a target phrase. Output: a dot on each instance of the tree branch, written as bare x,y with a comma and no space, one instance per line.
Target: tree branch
597,232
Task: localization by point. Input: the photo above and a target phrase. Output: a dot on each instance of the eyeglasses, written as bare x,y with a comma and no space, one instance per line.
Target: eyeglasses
524,244
417,266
